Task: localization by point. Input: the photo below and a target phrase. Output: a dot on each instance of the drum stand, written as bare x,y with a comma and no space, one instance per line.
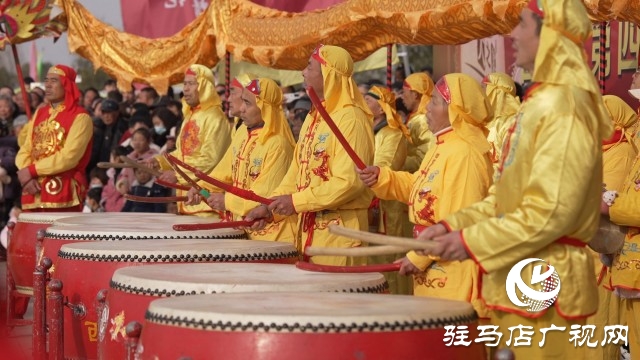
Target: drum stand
50,299
14,297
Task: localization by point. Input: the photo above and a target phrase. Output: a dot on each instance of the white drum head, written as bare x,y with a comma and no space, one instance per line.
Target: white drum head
45,217
185,279
140,228
107,218
309,312
175,251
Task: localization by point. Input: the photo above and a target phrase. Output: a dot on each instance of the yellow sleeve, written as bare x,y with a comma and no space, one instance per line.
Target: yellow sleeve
393,185
616,163
625,209
275,164
164,164
472,214
344,184
23,158
79,136
214,142
221,172
551,201
421,138
466,179
467,176
387,147
422,262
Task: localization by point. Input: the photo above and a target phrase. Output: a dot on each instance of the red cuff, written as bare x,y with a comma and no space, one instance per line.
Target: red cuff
466,247
32,170
446,225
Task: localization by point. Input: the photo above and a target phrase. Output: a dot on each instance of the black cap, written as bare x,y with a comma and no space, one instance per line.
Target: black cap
110,106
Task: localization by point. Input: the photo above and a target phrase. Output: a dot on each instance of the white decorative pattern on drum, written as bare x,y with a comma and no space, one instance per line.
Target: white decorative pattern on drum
45,218
178,251
109,218
192,279
308,312
134,228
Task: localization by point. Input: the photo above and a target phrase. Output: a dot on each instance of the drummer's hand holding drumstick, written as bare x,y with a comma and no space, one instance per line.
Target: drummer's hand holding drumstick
407,267
193,196
151,162
282,205
216,201
449,246
261,212
369,175
169,176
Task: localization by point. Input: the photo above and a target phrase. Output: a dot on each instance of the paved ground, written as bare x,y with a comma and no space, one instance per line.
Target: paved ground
15,344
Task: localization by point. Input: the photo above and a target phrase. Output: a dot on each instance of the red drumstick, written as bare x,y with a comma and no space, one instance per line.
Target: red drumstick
156,200
303,265
245,194
317,103
171,185
211,226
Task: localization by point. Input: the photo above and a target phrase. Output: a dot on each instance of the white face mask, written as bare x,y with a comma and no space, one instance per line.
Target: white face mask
635,93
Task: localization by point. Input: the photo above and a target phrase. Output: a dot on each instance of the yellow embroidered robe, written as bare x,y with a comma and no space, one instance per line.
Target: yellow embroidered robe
453,175
203,140
324,184
250,165
548,186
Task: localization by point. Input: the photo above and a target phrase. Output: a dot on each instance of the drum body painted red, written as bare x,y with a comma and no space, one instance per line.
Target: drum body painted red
21,252
132,289
363,327
85,268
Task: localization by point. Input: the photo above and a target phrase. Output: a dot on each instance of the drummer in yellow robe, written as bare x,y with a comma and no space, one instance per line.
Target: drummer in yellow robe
416,94
455,173
322,186
625,269
257,160
545,200
501,92
204,136
618,153
391,139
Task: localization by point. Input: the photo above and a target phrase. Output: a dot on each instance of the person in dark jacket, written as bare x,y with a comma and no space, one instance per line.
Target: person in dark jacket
107,133
9,184
144,186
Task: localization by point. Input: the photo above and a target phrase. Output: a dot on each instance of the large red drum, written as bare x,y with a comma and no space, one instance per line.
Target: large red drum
134,227
86,268
21,254
132,289
287,326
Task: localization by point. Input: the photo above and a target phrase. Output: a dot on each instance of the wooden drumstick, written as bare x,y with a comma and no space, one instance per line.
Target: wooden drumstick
374,238
355,251
137,165
108,165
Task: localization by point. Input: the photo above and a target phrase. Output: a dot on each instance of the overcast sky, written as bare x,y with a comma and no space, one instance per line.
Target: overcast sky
107,11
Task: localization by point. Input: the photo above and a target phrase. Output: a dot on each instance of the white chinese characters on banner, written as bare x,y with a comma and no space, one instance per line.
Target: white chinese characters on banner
199,6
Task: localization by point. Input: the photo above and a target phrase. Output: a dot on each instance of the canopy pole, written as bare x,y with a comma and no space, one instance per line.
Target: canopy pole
603,56
23,88
227,80
389,65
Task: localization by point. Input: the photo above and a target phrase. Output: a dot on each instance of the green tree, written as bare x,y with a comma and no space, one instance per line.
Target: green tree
8,77
89,76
